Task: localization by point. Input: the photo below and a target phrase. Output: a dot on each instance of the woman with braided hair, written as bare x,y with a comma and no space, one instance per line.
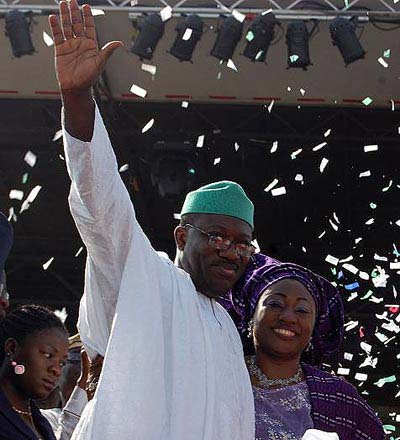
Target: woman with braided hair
33,351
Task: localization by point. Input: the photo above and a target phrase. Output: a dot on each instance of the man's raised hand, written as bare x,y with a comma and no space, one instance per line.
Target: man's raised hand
78,60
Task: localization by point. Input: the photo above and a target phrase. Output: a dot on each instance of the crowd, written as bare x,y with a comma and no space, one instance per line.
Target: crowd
173,335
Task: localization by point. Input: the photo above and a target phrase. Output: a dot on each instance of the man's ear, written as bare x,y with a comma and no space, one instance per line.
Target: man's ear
180,235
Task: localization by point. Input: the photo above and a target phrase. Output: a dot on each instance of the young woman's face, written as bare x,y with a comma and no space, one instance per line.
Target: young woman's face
284,319
43,355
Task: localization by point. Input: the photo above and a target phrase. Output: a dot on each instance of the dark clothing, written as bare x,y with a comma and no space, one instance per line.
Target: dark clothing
12,427
337,407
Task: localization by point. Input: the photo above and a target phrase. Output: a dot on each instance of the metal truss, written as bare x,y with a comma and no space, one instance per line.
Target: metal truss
283,9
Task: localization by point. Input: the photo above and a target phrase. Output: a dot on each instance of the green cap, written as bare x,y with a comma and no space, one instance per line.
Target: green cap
225,198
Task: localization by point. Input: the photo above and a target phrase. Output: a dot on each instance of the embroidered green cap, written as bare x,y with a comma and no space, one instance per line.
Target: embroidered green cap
224,198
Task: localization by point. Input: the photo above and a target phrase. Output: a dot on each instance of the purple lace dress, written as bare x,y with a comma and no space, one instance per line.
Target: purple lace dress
283,413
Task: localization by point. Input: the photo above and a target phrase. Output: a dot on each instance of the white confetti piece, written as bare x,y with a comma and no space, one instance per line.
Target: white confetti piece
361,377
369,148
370,221
16,194
350,268
124,168
299,178
200,141
47,264
138,91
303,92
381,337
271,185
96,12
394,266
231,65
177,216
256,245
30,199
239,16
236,146
62,314
188,33
295,153
319,146
12,215
323,164
58,135
383,63
387,187
250,36
348,356
278,191
343,371
350,325
289,89
392,102
321,234
397,222
30,158
363,275
79,251
271,104
328,132
274,147
293,58
148,126
166,13
217,160
366,347
48,41
150,69
334,226
332,260
357,240
268,11
365,174
185,104
379,258
316,434
385,380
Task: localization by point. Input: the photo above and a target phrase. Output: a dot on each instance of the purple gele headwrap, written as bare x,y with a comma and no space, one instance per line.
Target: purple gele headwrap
261,272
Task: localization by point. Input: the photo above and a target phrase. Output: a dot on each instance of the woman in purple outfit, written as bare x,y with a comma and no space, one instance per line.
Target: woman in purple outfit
292,319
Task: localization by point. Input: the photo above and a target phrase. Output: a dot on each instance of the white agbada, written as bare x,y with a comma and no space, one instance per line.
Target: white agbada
174,367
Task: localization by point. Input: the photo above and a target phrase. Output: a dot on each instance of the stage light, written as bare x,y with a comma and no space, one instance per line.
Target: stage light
259,36
229,34
19,32
151,29
297,37
344,37
189,32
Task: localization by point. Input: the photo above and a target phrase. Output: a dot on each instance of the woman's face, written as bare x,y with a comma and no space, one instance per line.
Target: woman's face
284,319
43,354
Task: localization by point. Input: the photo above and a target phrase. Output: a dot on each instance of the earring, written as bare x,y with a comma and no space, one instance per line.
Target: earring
250,328
18,368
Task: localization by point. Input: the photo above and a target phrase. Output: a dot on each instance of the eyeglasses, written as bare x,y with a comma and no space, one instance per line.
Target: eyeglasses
223,244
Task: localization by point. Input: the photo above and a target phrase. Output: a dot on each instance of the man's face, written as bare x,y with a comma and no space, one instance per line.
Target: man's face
213,271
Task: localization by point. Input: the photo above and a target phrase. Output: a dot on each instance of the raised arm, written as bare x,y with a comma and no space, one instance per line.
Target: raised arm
79,63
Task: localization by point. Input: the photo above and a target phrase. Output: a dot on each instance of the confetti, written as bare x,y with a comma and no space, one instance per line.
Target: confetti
278,191
187,35
61,314
16,194
58,135
185,104
217,160
47,264
25,178
236,146
48,41
293,58
124,168
200,141
274,147
383,63
385,380
249,36
136,90
332,260
303,92
295,153
79,251
367,101
370,221
365,174
231,65
319,146
166,13
323,164
96,12
369,148
386,53
271,104
327,133
387,187
343,371
239,16
30,199
299,178
271,185
148,126
150,69
361,377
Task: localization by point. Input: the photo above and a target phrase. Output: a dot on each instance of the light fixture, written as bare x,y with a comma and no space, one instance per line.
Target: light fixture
297,37
344,37
229,35
259,36
189,30
19,32
151,29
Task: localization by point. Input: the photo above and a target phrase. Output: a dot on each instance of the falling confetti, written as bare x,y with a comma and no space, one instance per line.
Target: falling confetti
271,185
278,191
62,314
30,199
383,63
79,251
47,39
200,141
136,90
270,106
124,168
238,15
30,158
58,135
369,148
217,160
187,35
236,146
319,146
47,264
148,126
150,69
97,12
367,101
327,133
231,65
274,147
166,13
16,194
323,164
185,104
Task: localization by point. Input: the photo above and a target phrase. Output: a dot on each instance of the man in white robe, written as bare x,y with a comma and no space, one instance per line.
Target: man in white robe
173,367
